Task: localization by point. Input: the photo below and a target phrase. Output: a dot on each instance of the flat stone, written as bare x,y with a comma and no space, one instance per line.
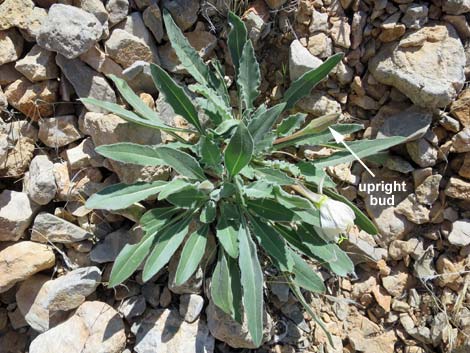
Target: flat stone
21,260
15,13
184,12
125,48
152,17
101,62
16,213
404,65
166,332
460,234
95,327
59,131
11,46
47,227
33,99
69,31
458,189
191,306
319,104
38,65
413,210
300,60
40,185
86,82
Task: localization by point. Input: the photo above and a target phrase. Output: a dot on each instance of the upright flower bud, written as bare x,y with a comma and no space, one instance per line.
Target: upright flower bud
336,218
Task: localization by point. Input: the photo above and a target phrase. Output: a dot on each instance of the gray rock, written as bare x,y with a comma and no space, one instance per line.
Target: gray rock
86,82
319,22
139,77
456,7
318,104
428,191
151,292
227,330
47,227
132,307
184,12
69,31
416,16
113,243
460,234
117,10
38,65
11,46
95,7
153,20
83,155
16,213
59,131
40,185
125,48
411,123
166,332
300,60
34,22
412,209
422,152
191,306
94,327
255,26
405,64
461,141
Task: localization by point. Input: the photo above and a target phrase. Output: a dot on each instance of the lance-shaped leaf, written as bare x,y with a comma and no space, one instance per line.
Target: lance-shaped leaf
209,151
119,196
169,241
288,125
273,243
189,197
188,56
271,210
237,38
249,76
263,123
131,116
209,212
175,96
133,153
227,233
129,259
239,150
304,276
226,292
362,149
252,284
154,220
304,84
192,253
222,109
180,161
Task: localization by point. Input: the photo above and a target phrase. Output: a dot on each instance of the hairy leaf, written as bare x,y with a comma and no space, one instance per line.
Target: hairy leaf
209,212
189,197
237,38
263,123
288,125
227,233
133,153
271,210
180,161
304,276
249,76
239,150
209,151
222,109
155,219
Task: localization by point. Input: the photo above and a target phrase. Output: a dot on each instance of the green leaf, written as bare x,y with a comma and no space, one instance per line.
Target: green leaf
290,124
304,84
129,259
304,276
252,284
263,123
273,176
173,186
130,116
315,175
209,212
271,210
175,96
209,151
155,219
133,153
119,196
222,109
237,38
226,287
258,190
239,150
227,233
189,197
226,127
192,253
180,161
249,77
273,243
362,149
169,241
187,55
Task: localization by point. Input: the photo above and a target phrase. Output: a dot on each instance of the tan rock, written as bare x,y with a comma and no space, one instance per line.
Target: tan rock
59,131
428,191
397,282
11,46
38,65
22,260
449,270
464,170
340,32
33,100
458,189
101,62
393,33
18,158
460,108
15,13
125,48
382,298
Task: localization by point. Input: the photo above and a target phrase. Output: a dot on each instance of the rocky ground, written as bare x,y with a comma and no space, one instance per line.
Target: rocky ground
405,72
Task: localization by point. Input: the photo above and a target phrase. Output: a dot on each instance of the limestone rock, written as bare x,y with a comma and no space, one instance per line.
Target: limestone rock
38,65
153,20
461,141
59,131
11,46
413,210
95,327
132,307
416,16
456,7
340,32
191,306
166,332
428,191
34,22
460,234
139,77
41,186
464,170
83,155
101,62
18,158
227,330
320,45
86,82
69,31
15,13
318,104
113,243
125,48
458,189
16,213
117,10
8,74
411,123
184,12
48,227
300,60
21,260
405,64
460,109
33,99
422,152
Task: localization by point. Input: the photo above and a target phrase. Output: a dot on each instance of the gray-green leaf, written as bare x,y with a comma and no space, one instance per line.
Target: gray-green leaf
239,150
249,76
133,153
237,38
180,161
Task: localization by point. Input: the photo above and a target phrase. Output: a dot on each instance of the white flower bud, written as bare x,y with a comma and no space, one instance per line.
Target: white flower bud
336,218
